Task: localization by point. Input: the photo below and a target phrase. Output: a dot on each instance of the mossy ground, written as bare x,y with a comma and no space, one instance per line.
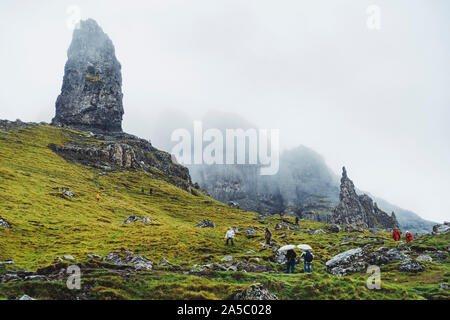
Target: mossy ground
46,225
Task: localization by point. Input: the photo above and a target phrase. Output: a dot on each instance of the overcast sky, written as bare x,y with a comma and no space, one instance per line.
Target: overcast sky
377,101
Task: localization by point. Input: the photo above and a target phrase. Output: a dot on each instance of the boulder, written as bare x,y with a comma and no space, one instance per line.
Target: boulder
132,219
424,257
205,224
319,231
26,297
95,256
441,228
227,258
233,204
347,262
4,224
334,228
68,257
164,262
255,292
279,257
411,266
282,226
250,232
395,255
123,257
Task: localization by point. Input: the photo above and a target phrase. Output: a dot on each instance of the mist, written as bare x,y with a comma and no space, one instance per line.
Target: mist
376,101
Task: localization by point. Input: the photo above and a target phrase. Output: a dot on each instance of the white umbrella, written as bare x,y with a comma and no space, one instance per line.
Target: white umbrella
304,247
288,247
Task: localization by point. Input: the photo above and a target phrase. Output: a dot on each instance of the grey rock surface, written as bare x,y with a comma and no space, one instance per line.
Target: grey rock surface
91,94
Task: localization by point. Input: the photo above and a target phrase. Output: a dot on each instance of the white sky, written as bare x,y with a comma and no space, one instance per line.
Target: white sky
375,101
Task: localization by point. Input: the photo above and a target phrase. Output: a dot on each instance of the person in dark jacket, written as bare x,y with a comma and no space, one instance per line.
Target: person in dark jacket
290,264
268,236
308,258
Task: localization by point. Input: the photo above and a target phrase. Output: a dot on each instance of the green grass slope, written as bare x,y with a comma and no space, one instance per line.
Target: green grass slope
46,225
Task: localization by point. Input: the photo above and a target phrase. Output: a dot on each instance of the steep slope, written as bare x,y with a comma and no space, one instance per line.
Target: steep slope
46,220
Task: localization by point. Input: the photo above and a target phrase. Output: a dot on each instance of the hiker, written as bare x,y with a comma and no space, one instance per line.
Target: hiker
230,236
151,191
396,235
142,190
290,264
307,258
268,236
408,237
296,221
97,197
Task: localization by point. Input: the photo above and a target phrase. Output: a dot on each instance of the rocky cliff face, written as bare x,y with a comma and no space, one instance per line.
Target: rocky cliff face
360,210
91,94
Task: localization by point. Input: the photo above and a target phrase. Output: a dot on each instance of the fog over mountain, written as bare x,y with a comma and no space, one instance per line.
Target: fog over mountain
304,186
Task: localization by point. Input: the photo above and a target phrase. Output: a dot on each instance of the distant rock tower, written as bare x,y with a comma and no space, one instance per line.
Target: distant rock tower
91,94
360,210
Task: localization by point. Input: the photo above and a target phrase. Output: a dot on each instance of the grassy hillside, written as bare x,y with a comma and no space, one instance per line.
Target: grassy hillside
46,224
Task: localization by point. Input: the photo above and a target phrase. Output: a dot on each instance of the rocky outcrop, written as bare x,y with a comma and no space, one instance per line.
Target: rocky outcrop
205,224
4,224
347,262
122,151
360,210
441,228
91,94
411,266
124,257
255,292
132,219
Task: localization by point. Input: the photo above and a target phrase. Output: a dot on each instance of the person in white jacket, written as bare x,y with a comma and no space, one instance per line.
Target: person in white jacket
230,236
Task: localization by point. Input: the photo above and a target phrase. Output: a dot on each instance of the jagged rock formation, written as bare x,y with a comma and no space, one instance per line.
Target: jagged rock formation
441,228
122,151
360,210
91,94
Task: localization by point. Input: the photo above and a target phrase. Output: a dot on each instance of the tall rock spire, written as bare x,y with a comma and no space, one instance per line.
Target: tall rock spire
91,94
360,210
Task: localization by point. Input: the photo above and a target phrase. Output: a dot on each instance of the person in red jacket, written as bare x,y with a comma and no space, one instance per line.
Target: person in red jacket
408,237
396,235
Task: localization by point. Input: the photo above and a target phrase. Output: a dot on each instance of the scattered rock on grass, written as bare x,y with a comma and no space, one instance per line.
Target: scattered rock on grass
123,257
349,261
26,297
95,256
424,257
205,224
411,266
227,258
255,292
68,257
4,224
132,219
250,232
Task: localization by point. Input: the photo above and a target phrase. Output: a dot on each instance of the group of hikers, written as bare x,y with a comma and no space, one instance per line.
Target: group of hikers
397,235
307,255
290,254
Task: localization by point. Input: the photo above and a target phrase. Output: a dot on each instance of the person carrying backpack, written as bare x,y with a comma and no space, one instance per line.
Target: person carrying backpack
307,258
408,237
396,235
268,236
290,264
